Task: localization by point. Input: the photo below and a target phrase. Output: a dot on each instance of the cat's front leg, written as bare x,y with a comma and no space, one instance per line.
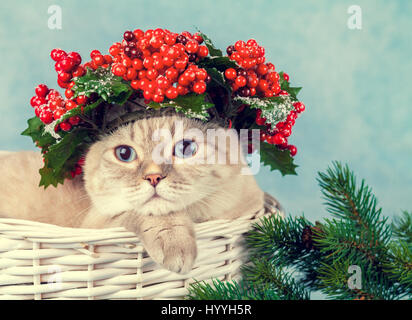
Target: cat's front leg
169,239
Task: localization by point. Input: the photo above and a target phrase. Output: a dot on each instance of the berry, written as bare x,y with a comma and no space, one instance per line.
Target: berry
244,92
260,121
293,150
262,69
240,81
98,59
75,57
263,85
131,74
138,34
70,104
62,84
201,74
57,54
46,116
58,113
64,76
192,46
67,64
128,36
42,90
239,45
230,74
286,132
278,139
79,72
65,126
171,93
34,101
252,82
81,99
151,74
299,107
94,53
230,50
114,50
137,64
198,38
119,70
291,116
158,98
69,93
203,51
199,87
181,39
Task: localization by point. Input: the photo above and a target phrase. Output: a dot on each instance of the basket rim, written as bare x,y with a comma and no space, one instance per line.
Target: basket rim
20,229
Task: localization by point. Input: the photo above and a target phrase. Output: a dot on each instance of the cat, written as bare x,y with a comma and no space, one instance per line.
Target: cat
125,184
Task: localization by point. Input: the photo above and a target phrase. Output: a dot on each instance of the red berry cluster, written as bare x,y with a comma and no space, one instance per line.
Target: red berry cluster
282,130
49,105
160,63
254,76
67,66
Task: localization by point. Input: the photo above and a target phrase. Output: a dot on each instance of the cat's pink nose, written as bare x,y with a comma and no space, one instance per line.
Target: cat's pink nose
153,178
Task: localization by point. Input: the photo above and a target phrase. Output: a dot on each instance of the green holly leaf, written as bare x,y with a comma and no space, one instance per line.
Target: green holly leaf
50,177
220,63
62,157
213,51
110,88
35,130
277,159
191,105
285,85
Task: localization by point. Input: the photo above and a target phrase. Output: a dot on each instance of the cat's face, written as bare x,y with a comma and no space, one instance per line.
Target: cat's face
129,171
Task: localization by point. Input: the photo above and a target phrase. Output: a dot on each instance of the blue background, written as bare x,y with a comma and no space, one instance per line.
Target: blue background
356,83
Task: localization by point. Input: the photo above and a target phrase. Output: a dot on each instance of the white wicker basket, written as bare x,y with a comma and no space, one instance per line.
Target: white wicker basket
42,261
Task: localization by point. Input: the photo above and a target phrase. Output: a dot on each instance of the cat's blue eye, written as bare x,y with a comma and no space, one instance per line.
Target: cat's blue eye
125,153
185,148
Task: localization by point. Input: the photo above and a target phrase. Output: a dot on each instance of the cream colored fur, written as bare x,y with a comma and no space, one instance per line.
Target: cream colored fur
115,193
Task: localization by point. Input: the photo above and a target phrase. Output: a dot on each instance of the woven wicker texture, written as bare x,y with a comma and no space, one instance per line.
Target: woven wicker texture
43,261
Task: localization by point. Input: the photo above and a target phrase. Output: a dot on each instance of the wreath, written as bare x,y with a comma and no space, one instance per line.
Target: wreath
156,70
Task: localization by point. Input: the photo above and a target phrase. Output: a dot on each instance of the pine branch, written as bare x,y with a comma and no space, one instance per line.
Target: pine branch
263,272
402,227
399,264
322,253
220,290
282,241
361,226
274,236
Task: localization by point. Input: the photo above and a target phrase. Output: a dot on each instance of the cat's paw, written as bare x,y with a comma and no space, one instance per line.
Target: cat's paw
176,251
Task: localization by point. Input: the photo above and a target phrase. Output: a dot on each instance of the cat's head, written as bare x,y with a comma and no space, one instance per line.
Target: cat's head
129,170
